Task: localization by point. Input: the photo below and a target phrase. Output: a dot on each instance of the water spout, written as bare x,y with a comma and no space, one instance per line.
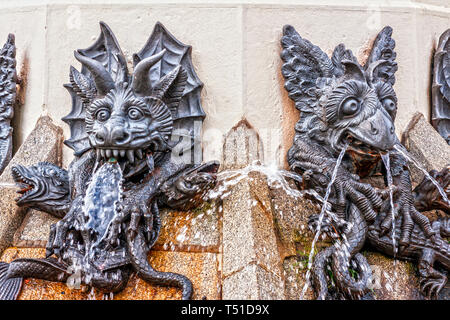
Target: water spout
406,154
387,164
321,215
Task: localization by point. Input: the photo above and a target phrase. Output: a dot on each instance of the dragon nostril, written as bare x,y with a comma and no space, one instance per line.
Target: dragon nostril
120,136
100,137
392,130
373,129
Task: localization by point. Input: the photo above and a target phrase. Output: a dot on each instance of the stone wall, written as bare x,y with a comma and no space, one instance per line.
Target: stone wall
235,52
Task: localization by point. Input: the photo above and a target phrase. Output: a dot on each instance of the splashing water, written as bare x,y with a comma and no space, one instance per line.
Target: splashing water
387,164
406,154
276,178
321,215
100,201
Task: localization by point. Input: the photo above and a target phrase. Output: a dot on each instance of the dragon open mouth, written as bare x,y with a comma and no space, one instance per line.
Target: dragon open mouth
132,161
26,185
123,155
362,148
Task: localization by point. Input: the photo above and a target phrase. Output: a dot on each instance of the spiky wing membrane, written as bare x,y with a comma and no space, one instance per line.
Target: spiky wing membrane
340,54
303,64
383,49
440,113
82,89
184,104
8,80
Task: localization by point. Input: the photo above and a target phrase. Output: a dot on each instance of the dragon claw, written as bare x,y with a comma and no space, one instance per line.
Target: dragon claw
431,287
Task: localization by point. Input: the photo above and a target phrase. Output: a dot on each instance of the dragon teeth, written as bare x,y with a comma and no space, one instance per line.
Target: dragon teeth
102,152
139,154
122,153
116,153
130,155
108,153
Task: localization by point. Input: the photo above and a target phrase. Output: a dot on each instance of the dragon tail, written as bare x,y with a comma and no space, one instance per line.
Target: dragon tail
12,274
318,273
138,252
9,287
356,289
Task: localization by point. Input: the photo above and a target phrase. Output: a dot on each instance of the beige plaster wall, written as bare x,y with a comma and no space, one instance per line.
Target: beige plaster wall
235,51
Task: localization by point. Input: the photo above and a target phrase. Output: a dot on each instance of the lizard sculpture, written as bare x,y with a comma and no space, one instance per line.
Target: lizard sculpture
8,79
135,139
440,93
346,105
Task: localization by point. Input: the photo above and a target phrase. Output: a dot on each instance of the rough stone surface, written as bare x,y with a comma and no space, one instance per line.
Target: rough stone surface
248,231
43,144
242,146
253,283
11,215
34,230
251,260
393,280
198,230
295,278
291,220
426,145
201,268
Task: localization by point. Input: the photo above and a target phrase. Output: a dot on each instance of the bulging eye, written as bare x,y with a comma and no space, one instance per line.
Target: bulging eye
389,104
135,114
350,106
102,115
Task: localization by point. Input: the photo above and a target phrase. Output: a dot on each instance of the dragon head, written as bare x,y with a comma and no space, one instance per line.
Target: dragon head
128,118
342,101
43,184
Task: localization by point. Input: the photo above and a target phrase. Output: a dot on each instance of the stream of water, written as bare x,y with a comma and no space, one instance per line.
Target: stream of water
101,199
387,164
321,215
416,163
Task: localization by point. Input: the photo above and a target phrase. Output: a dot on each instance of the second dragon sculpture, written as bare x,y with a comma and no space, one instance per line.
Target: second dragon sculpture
349,109
440,111
8,79
135,138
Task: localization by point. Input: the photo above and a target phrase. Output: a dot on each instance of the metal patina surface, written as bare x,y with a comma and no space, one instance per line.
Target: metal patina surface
440,110
135,139
8,79
346,105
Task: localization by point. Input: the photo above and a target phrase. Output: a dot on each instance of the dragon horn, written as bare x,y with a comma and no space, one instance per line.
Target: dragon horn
160,89
371,68
352,70
141,79
103,80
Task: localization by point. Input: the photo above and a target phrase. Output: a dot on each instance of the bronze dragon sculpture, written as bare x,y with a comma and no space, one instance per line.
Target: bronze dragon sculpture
346,105
8,80
440,91
136,147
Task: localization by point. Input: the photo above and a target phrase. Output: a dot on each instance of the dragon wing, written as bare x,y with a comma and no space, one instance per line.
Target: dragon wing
341,54
440,112
8,79
382,57
304,63
81,88
185,106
